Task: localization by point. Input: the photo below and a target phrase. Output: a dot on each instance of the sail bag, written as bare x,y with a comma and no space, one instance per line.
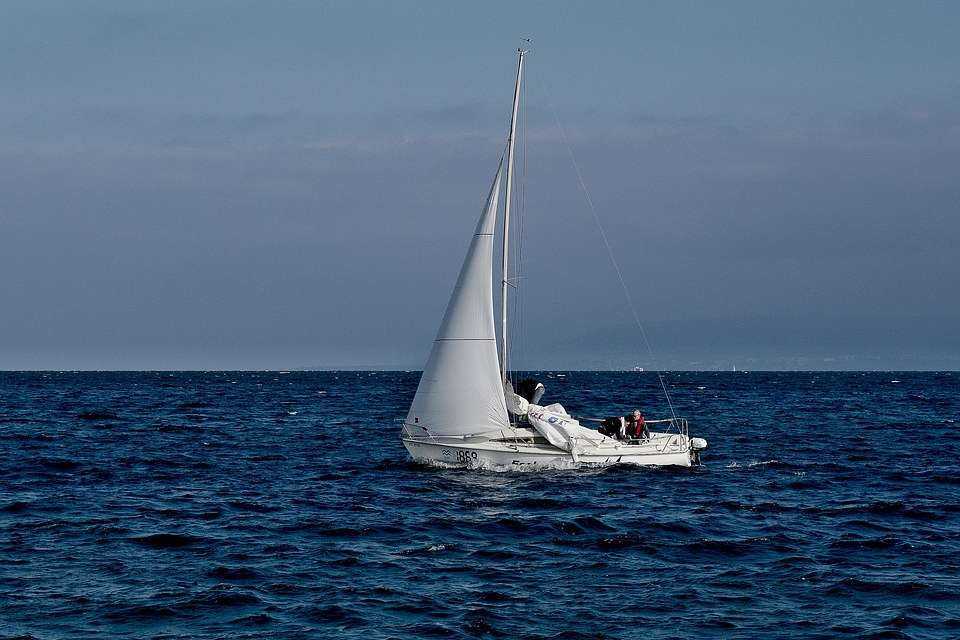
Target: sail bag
557,426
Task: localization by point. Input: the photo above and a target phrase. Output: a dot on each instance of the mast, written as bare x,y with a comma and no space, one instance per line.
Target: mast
506,220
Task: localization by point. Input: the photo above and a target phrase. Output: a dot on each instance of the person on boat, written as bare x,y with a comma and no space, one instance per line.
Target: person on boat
635,426
614,427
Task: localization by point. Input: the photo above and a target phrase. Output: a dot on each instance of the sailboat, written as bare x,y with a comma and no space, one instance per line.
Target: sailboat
466,413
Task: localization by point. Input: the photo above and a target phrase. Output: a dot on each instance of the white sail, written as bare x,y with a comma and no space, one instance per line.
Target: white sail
460,391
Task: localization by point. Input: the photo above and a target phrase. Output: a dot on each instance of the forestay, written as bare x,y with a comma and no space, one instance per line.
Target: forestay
460,392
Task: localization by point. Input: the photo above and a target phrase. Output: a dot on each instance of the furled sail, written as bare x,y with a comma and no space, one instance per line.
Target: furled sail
556,426
460,391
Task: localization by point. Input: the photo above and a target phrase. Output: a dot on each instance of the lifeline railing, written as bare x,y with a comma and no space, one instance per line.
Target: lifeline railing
680,424
432,437
405,432
677,425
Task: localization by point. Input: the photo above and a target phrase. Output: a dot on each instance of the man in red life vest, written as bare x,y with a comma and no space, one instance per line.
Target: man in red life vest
636,426
628,427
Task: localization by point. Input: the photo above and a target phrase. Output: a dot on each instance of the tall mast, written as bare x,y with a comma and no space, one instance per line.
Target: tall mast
506,220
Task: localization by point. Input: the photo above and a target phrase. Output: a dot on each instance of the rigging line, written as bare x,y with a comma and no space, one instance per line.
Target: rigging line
510,422
504,276
521,218
515,346
518,348
606,242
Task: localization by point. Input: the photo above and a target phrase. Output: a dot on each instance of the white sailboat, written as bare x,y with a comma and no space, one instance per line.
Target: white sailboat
461,413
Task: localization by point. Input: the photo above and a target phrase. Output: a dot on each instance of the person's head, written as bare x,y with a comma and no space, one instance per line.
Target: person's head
636,413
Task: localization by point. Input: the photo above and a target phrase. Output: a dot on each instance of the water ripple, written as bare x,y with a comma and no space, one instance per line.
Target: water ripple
249,505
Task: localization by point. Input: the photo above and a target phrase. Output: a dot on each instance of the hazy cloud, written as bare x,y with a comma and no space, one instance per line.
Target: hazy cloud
221,188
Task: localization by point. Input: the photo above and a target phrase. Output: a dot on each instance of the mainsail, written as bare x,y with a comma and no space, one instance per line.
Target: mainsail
460,391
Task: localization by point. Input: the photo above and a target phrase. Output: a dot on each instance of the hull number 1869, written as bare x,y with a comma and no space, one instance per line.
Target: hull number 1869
466,456
462,456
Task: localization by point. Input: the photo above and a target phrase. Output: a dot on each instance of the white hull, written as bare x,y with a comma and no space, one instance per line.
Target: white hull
662,450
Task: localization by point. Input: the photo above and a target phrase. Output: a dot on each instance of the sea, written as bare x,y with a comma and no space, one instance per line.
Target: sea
283,505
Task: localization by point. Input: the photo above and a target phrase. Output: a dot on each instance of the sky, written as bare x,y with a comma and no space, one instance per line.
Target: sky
248,185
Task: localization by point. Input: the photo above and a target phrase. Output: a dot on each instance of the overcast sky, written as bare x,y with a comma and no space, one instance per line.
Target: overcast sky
294,184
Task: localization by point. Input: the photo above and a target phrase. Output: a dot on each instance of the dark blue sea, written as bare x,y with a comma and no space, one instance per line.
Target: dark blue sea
273,505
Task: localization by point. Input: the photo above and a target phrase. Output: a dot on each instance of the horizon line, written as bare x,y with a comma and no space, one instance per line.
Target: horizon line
364,370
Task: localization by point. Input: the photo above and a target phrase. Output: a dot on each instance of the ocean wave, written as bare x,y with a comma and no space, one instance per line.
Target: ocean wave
221,596
233,573
57,464
914,588
97,414
169,540
879,508
341,616
139,613
429,549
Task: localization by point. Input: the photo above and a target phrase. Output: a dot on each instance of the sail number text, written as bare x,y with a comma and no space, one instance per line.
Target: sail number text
462,456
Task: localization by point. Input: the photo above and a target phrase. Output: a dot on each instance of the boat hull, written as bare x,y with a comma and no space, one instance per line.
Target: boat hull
669,450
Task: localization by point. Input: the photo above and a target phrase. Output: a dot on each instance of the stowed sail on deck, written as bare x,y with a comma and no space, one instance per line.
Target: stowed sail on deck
460,392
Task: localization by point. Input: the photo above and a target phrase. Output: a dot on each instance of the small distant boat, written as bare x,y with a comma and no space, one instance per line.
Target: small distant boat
465,412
